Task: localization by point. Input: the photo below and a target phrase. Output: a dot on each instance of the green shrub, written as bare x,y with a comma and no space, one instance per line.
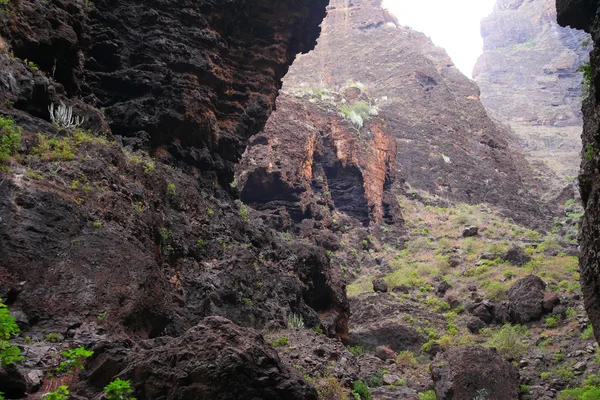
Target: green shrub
496,291
330,389
586,82
75,359
428,395
357,350
508,340
358,113
525,389
8,328
62,393
171,189
282,341
406,358
52,337
119,390
361,390
551,322
10,138
588,333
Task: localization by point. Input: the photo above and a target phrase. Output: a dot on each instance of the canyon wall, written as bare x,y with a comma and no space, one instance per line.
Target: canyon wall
446,143
124,231
529,78
528,69
583,14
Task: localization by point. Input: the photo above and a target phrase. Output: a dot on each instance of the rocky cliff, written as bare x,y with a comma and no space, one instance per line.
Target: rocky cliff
582,14
528,76
446,143
528,69
124,228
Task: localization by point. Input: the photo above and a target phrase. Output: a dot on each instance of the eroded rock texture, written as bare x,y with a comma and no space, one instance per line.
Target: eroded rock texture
101,243
463,373
569,13
199,74
308,158
446,143
528,70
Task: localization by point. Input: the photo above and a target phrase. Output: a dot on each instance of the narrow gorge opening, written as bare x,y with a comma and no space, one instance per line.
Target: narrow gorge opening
381,227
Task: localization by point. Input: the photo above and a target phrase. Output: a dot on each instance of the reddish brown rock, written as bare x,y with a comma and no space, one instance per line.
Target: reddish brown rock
308,156
550,301
446,142
385,353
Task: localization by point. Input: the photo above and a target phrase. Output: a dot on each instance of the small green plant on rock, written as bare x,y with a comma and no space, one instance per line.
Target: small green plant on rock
10,138
357,350
62,393
586,83
428,395
171,190
9,354
508,340
295,321
361,391
75,359
551,322
282,341
119,390
589,152
588,333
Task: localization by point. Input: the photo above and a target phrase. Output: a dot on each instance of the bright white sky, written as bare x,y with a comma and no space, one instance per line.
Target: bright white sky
451,24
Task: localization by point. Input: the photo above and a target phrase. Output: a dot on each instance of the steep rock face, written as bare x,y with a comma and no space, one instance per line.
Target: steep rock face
308,157
200,75
120,243
528,69
589,238
447,145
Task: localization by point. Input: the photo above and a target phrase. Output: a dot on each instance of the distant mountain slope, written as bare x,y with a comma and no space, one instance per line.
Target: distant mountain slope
446,143
528,70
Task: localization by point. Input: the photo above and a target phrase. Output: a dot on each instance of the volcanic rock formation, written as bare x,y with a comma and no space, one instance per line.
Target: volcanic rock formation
446,143
100,241
583,14
529,77
528,69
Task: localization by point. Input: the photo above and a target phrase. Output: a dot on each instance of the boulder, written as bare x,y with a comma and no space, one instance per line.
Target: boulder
526,298
385,353
516,256
482,312
501,313
380,286
550,301
443,288
390,379
388,332
474,324
219,360
470,231
454,260
460,372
